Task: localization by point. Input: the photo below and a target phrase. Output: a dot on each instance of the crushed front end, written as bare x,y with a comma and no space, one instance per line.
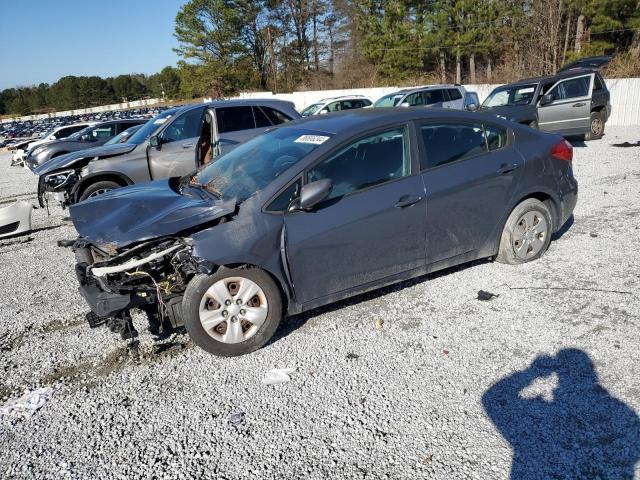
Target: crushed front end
151,276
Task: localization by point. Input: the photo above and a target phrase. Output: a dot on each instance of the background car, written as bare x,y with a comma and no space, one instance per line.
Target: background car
575,101
252,236
174,143
336,104
56,133
442,96
93,135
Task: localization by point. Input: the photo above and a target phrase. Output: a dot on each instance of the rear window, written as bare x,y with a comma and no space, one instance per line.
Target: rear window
454,94
232,119
276,116
450,142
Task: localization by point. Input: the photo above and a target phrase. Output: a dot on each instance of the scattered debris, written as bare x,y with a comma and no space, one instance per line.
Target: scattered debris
626,144
445,353
278,375
484,296
352,356
24,407
428,459
593,235
378,323
236,419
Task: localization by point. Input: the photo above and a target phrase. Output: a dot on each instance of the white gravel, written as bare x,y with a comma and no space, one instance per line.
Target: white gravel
403,401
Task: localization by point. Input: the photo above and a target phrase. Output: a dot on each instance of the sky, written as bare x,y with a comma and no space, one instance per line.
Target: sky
43,40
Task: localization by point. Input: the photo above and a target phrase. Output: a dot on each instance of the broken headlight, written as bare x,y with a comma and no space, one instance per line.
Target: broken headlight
61,179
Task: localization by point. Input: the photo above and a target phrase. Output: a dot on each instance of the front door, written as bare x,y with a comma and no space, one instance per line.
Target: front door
176,154
369,228
570,110
469,176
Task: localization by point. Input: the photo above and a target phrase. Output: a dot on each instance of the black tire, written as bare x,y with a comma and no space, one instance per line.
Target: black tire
596,126
191,311
96,187
508,251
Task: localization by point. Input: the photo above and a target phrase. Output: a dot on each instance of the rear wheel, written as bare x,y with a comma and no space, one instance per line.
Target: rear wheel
596,129
233,311
98,188
526,234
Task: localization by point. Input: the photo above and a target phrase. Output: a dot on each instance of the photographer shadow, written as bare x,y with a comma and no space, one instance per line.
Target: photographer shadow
579,431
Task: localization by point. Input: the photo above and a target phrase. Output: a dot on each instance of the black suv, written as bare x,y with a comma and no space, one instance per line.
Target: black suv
575,101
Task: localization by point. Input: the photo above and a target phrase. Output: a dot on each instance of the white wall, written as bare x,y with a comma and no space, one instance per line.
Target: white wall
625,97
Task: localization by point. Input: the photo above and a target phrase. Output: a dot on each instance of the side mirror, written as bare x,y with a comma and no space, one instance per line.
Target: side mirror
472,107
312,194
547,99
404,105
154,141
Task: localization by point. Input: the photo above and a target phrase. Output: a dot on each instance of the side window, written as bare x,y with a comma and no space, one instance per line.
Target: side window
496,137
121,127
571,88
187,125
104,131
347,105
414,100
232,119
434,96
454,94
598,83
366,102
334,107
449,142
65,132
369,161
276,116
282,201
261,119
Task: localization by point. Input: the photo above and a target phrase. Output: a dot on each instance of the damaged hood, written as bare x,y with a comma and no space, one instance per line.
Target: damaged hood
67,160
146,211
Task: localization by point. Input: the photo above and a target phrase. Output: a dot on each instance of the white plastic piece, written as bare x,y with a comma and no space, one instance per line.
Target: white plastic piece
25,406
131,264
18,213
278,375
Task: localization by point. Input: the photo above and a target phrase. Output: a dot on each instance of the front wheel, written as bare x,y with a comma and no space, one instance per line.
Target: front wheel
596,128
97,188
526,234
233,311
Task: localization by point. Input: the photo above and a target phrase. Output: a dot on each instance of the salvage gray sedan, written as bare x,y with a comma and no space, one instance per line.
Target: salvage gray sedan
315,211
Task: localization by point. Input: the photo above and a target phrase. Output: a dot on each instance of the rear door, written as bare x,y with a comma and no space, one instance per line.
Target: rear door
236,125
469,177
370,227
176,154
570,110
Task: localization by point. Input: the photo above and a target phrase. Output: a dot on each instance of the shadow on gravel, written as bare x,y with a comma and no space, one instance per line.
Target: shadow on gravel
577,141
290,324
577,431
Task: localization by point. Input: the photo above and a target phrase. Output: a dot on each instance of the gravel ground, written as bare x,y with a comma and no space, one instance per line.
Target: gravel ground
421,380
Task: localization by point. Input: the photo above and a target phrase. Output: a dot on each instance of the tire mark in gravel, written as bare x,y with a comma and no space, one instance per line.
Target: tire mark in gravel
89,373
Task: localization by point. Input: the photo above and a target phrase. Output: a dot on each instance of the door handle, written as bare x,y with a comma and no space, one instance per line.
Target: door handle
407,201
579,104
187,145
505,169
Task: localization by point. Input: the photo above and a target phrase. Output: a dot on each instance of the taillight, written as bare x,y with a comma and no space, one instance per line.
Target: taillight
562,150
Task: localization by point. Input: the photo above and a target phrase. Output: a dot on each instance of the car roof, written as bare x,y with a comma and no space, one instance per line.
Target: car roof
348,122
573,72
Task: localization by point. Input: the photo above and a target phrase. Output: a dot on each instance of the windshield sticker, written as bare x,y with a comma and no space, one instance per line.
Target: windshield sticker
526,90
159,121
313,139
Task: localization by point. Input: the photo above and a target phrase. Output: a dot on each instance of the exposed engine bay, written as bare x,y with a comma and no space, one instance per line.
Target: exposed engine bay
151,276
